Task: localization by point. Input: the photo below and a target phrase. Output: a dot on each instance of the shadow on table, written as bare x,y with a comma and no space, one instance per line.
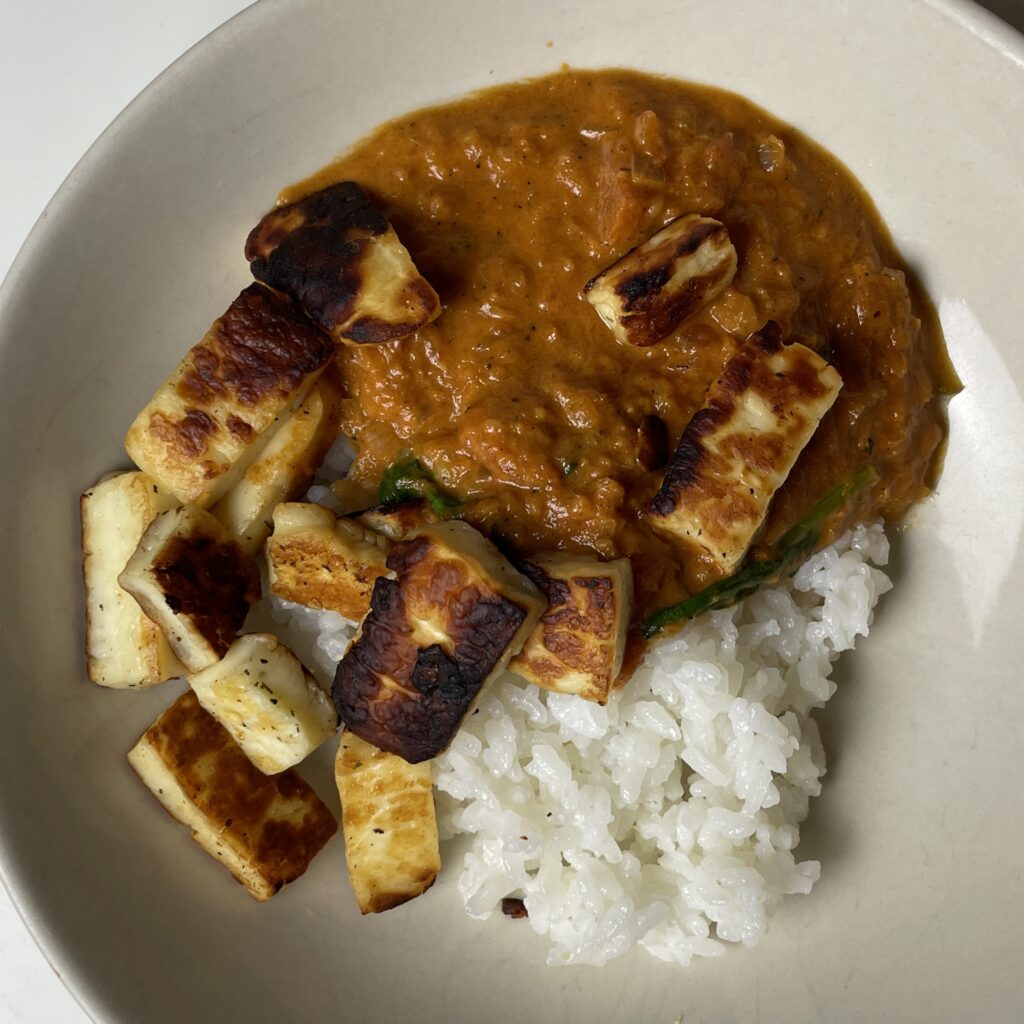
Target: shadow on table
1011,11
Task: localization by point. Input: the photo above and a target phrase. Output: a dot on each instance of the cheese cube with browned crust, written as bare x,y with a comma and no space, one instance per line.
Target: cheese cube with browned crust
272,707
578,644
212,416
284,469
650,291
264,829
124,648
316,559
190,576
338,256
389,824
436,634
740,446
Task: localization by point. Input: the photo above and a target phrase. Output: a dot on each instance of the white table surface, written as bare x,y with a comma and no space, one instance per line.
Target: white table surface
67,67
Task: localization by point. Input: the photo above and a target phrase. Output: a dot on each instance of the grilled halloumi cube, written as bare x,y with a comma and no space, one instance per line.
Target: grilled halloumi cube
272,707
578,644
283,470
191,578
399,519
212,416
124,649
389,824
316,559
264,829
740,446
649,292
435,635
338,256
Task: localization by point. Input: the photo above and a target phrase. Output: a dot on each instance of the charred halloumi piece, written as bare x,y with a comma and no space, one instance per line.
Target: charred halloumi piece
264,829
338,256
389,824
212,416
316,559
283,470
578,644
124,648
435,635
271,706
647,294
740,446
397,520
191,578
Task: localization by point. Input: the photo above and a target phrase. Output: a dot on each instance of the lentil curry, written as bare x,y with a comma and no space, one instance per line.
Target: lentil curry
550,433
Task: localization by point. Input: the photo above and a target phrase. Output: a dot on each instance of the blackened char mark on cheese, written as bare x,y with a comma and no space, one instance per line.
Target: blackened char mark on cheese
314,249
409,699
642,290
685,468
638,287
263,345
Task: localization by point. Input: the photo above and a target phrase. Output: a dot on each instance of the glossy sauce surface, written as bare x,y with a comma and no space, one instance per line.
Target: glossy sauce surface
519,399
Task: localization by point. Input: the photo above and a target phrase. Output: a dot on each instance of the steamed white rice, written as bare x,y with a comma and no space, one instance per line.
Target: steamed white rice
669,818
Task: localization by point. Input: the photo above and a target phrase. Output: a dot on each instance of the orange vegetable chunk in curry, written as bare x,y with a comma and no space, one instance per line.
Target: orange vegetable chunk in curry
520,400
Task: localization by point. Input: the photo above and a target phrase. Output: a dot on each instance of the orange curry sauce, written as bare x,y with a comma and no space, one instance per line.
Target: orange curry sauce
520,400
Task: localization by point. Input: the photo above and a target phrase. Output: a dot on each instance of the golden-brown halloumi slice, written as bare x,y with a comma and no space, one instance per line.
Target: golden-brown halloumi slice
578,644
649,292
264,829
338,256
190,576
435,635
272,707
740,446
124,648
212,416
399,519
389,824
316,559
284,469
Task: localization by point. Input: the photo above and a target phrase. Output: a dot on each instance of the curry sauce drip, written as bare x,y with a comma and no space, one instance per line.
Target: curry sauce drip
518,398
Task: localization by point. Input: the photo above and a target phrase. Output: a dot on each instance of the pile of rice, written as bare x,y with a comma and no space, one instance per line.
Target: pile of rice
669,818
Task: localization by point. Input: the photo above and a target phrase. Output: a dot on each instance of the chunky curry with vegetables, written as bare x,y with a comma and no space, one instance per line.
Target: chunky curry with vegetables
519,399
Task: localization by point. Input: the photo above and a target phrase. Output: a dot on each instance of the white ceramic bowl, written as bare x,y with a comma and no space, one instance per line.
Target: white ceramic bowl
919,829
